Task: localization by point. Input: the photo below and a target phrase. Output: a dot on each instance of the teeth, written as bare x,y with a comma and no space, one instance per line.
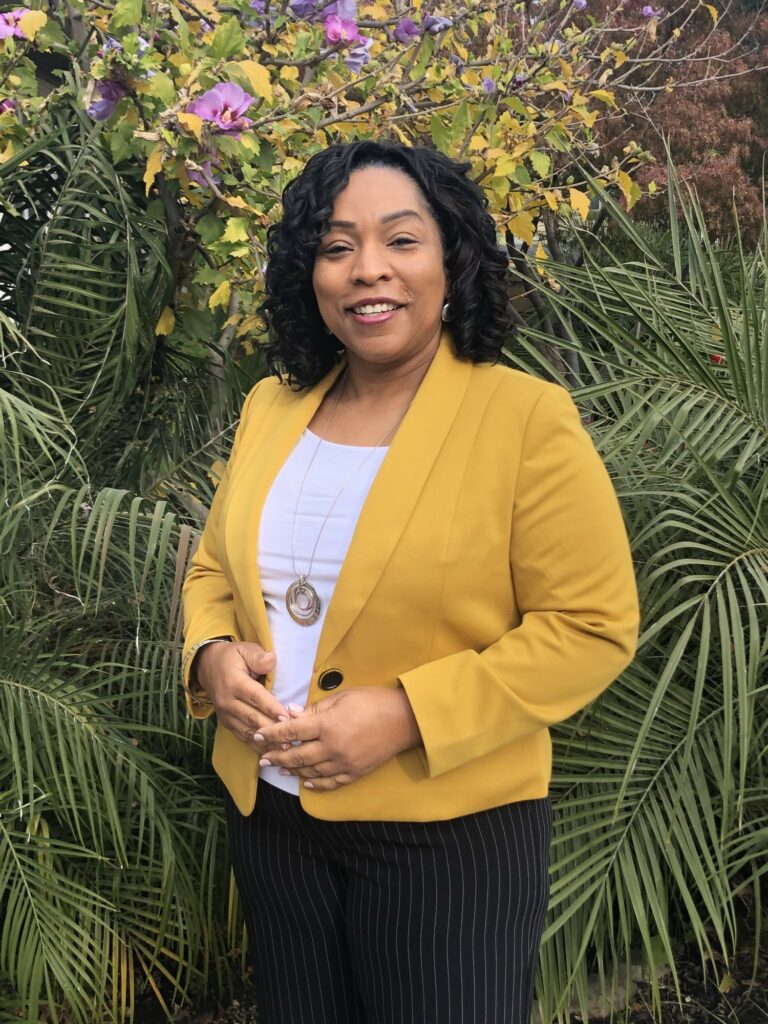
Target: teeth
381,307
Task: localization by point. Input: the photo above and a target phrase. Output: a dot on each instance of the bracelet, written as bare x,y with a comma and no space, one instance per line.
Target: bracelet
189,658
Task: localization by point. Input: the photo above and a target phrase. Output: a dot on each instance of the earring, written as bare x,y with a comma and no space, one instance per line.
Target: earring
445,313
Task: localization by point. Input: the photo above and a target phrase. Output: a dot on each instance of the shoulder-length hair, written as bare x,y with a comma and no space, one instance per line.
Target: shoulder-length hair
477,268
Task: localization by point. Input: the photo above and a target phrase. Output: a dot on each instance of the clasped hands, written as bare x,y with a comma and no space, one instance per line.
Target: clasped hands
329,744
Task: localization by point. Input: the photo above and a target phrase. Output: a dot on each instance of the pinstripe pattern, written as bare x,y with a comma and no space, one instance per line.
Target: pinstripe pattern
385,922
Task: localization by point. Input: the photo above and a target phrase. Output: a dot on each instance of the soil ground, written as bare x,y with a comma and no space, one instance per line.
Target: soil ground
746,1002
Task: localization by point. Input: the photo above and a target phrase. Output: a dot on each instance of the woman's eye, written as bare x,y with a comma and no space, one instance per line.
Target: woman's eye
395,241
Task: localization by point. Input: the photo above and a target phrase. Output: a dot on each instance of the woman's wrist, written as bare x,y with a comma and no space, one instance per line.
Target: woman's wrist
194,687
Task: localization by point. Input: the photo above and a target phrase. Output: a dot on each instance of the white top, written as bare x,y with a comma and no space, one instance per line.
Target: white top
349,469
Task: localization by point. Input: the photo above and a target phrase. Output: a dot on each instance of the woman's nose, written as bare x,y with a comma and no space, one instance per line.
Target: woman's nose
370,264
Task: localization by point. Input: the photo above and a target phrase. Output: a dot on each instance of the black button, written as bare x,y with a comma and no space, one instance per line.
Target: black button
330,679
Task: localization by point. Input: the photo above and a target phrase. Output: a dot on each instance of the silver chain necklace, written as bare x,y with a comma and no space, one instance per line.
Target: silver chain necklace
301,599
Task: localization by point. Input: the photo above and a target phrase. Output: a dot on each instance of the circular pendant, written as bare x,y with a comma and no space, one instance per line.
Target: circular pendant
303,602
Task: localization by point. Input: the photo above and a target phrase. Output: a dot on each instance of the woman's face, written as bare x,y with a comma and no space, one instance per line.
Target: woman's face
382,247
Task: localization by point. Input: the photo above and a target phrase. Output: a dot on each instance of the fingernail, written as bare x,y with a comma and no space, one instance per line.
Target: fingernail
282,718
309,785
295,707
258,737
284,771
265,762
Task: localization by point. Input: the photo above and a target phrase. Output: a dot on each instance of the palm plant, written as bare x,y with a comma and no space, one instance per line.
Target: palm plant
108,817
661,786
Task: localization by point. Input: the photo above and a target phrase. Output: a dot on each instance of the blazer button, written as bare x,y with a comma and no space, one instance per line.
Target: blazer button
330,679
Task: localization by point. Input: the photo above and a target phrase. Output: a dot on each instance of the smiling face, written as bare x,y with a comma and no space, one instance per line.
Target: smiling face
382,248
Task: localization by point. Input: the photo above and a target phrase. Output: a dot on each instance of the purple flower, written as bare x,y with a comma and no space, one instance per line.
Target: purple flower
406,31
205,175
651,12
110,94
315,10
488,84
519,80
7,104
358,55
205,26
434,24
579,5
224,105
9,23
338,31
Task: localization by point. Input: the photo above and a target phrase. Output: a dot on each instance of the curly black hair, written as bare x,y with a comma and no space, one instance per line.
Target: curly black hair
477,269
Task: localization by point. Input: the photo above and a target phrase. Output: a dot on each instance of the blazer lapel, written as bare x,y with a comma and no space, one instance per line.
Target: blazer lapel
396,490
389,503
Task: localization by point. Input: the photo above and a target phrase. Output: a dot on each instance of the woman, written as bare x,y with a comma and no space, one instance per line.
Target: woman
414,563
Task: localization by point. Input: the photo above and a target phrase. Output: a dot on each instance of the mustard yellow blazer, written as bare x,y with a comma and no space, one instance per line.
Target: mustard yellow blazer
489,575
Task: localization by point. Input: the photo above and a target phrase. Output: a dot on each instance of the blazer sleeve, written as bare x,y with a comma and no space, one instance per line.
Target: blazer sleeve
209,608
575,587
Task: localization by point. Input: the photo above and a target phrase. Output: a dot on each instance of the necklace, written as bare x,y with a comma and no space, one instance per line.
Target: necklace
301,599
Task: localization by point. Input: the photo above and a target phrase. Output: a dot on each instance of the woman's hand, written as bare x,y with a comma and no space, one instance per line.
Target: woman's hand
343,736
231,675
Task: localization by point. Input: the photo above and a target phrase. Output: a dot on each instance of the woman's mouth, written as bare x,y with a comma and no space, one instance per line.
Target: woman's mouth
376,314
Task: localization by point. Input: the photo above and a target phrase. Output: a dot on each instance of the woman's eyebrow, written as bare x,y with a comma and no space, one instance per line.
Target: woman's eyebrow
384,220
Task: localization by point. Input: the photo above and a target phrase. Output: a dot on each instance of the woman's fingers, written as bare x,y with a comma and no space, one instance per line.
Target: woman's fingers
309,755
325,783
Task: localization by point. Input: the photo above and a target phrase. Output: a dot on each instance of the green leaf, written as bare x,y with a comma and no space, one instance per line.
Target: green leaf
441,136
127,12
161,85
228,39
541,163
210,228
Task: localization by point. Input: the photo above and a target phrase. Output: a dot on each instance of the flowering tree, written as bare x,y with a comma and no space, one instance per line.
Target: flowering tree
220,106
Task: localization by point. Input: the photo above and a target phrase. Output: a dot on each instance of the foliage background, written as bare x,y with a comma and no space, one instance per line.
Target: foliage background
132,249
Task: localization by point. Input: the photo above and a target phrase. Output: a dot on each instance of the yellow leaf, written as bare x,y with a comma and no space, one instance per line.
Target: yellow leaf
238,203
236,230
477,142
505,165
7,153
166,322
558,85
221,296
291,163
31,23
587,116
551,200
620,58
713,13
289,73
471,77
258,76
216,471
605,95
565,69
522,226
250,142
651,187
579,202
154,166
628,188
192,123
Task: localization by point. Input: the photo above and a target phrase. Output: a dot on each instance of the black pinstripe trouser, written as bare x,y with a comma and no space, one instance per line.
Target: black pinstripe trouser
386,922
